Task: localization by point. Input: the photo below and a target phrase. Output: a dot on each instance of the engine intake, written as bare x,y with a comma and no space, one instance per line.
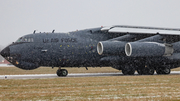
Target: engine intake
110,47
148,49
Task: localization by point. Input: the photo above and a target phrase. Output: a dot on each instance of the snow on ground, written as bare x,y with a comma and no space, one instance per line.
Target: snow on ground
6,65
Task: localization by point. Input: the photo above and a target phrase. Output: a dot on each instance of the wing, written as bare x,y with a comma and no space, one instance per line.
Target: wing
135,33
144,49
141,30
139,41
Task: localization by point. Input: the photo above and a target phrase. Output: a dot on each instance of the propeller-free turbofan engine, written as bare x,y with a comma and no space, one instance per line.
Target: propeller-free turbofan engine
148,49
110,47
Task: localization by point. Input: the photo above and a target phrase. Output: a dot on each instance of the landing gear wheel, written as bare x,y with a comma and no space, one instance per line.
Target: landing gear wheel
62,72
163,70
128,70
166,71
159,71
140,71
149,71
146,70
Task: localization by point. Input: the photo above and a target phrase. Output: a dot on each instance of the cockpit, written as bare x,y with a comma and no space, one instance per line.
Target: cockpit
25,39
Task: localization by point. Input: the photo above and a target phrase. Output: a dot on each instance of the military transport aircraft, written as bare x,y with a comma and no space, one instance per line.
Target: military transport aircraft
126,48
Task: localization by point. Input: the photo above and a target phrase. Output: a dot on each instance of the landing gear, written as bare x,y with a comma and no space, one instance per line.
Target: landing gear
140,71
163,70
147,70
128,70
62,72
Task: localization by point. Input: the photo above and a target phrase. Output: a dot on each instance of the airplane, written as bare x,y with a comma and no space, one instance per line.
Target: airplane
126,48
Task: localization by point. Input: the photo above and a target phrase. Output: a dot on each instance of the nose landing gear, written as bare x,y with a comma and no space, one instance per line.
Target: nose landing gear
62,72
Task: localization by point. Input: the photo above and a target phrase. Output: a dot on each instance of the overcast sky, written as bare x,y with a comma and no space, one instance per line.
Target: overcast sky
21,17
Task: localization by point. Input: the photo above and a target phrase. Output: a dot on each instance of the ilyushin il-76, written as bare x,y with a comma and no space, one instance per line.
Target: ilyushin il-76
128,48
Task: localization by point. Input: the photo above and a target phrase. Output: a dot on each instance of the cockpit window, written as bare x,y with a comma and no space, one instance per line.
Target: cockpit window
31,39
19,40
25,39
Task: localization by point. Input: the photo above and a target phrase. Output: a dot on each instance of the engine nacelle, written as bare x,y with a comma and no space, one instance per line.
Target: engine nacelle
110,47
148,49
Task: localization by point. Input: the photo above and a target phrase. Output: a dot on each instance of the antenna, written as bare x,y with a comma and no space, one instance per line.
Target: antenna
53,31
34,31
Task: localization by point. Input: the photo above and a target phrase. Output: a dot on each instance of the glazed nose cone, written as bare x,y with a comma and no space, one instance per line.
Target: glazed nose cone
5,52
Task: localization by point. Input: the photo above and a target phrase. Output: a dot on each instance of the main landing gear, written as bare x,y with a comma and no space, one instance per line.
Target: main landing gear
62,72
163,70
147,70
128,70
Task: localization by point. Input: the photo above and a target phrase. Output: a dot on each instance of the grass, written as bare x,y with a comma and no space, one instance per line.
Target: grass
134,88
49,70
111,88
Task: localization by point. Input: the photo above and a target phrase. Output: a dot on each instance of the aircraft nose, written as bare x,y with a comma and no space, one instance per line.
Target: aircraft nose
5,52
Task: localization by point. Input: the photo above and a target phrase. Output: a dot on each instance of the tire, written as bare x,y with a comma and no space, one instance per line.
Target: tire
166,70
145,71
125,72
159,71
163,70
132,72
140,72
150,71
59,73
62,72
128,70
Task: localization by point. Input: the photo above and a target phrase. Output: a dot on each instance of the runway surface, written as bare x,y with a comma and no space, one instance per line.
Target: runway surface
44,76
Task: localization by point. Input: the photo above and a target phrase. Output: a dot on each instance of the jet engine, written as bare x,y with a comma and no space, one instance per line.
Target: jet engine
148,49
110,47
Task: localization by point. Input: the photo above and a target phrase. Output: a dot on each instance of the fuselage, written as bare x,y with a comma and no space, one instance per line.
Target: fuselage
73,49
79,49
